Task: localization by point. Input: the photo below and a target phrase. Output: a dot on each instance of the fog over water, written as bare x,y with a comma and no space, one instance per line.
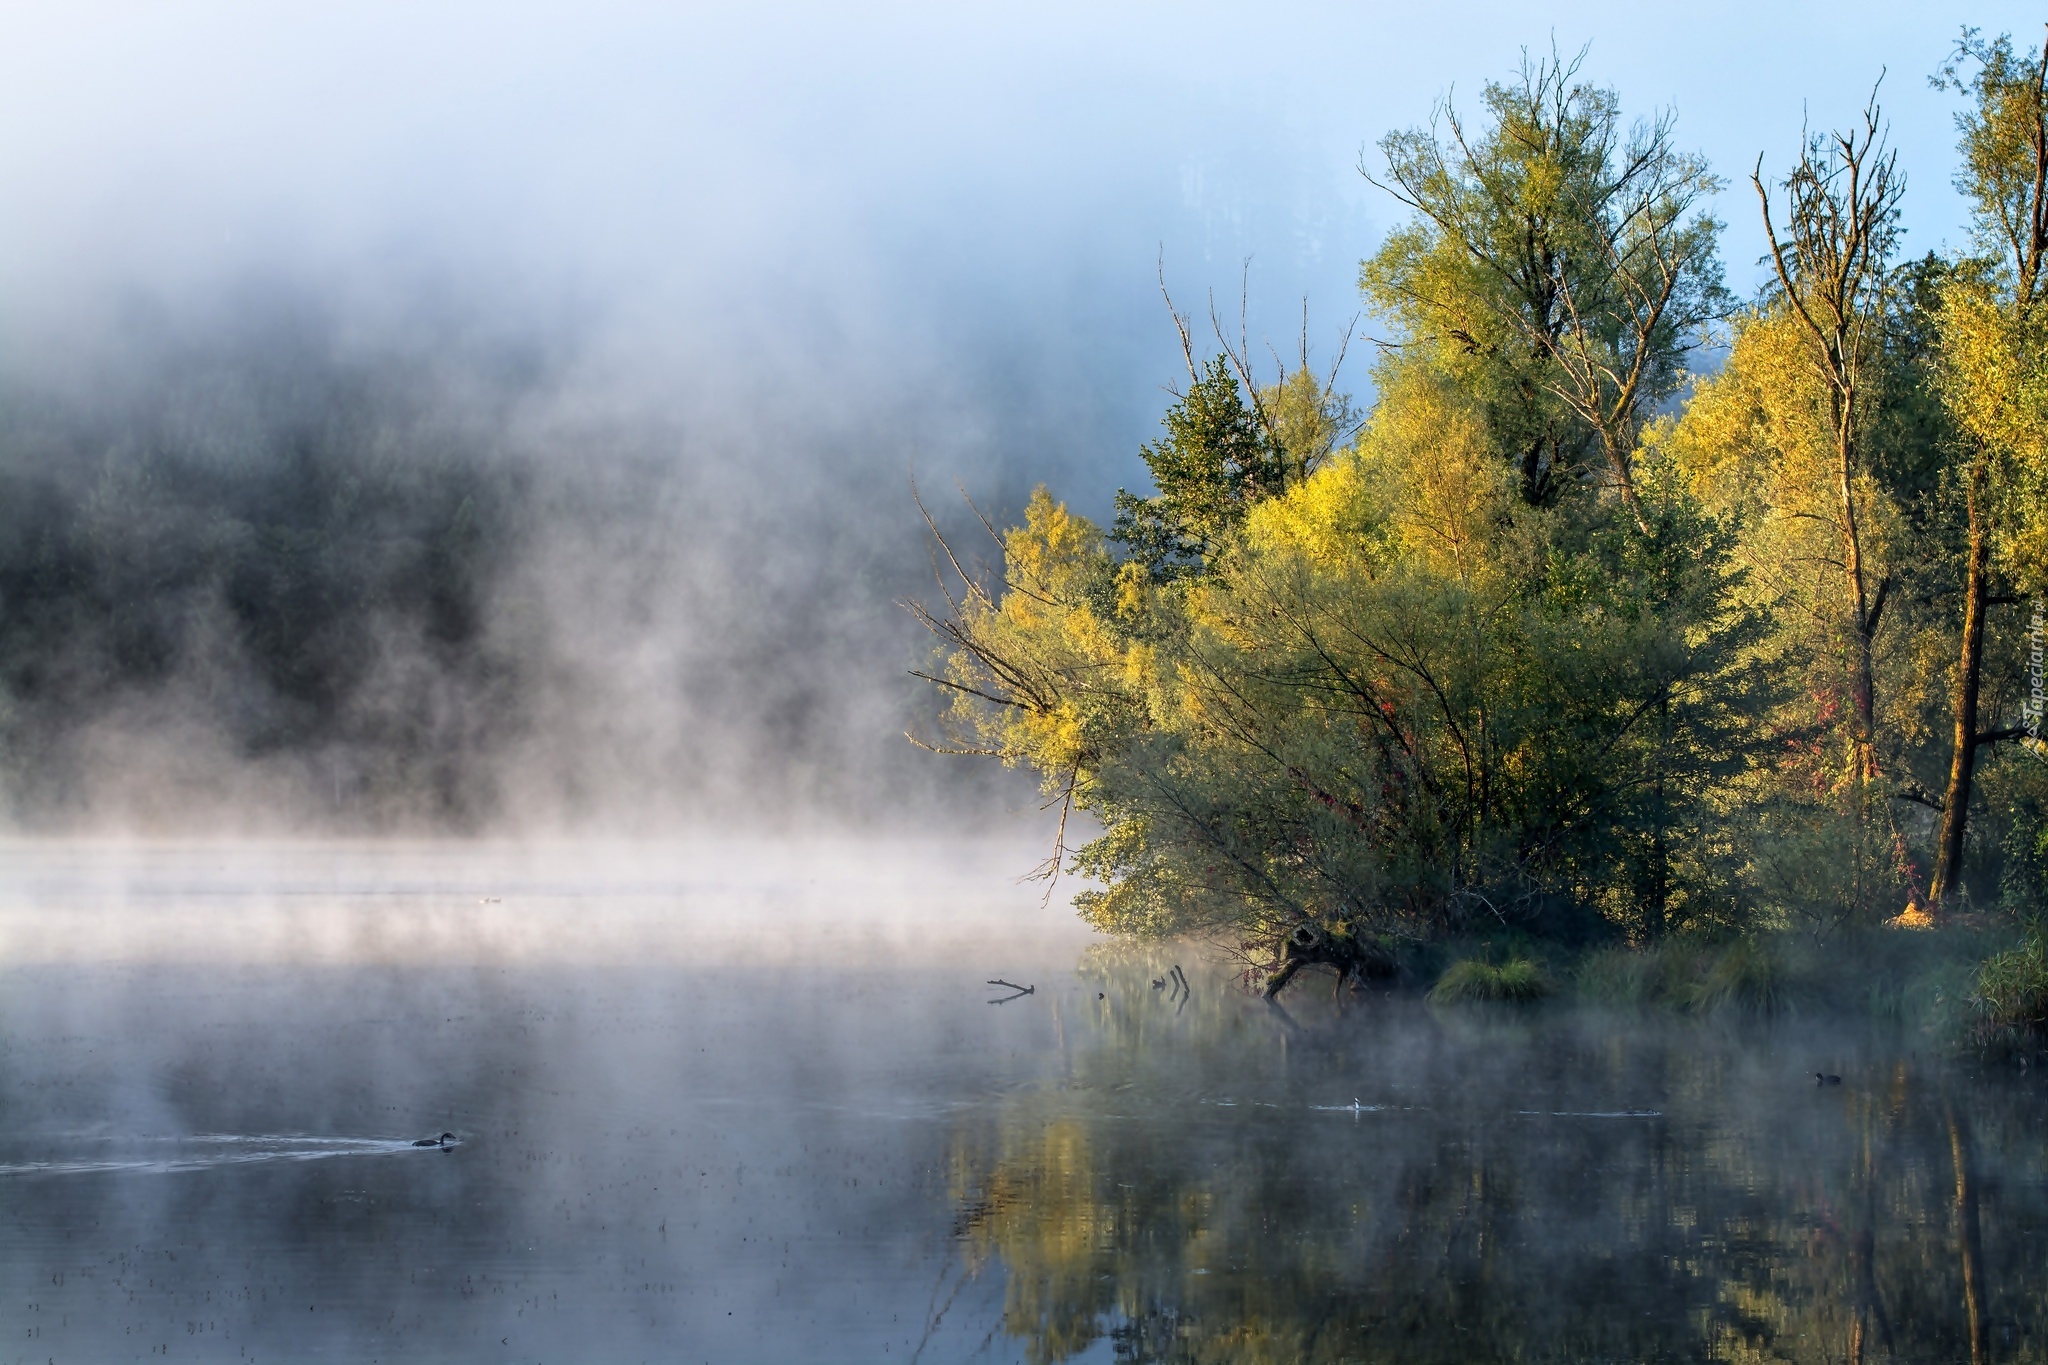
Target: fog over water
674,303
696,1117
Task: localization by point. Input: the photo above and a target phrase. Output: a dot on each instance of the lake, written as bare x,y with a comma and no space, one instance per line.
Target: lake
748,1100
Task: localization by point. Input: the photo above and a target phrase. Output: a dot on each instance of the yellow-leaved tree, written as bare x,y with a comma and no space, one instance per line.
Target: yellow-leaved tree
1994,379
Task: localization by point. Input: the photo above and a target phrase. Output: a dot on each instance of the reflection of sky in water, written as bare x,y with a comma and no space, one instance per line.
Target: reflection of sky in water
692,1128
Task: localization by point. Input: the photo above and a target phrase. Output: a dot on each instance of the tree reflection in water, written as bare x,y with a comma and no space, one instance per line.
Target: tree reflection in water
1550,1186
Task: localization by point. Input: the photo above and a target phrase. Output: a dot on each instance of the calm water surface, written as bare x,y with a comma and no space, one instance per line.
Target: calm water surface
750,1103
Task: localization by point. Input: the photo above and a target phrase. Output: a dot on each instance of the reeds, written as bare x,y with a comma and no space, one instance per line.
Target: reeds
1748,976
1752,976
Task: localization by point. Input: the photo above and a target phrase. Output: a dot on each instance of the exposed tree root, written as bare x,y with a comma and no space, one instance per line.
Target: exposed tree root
1354,960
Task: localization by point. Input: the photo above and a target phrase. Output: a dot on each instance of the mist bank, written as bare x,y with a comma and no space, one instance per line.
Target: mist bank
269,566
750,905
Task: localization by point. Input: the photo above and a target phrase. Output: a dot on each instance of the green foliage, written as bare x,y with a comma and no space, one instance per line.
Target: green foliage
1386,706
2012,991
1993,378
1999,142
1752,975
1518,981
2016,801
1924,979
1657,974
1213,463
1555,265
1745,977
1461,674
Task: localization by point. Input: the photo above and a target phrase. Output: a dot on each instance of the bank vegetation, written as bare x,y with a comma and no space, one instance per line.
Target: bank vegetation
1573,635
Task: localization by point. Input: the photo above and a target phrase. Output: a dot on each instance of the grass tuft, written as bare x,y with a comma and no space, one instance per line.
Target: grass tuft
1747,976
1633,976
1519,980
2011,995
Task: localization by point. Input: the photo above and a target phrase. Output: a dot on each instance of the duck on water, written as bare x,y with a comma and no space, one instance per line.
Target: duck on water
445,1140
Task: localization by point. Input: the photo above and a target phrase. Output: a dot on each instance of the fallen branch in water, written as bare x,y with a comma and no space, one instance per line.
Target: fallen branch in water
1021,991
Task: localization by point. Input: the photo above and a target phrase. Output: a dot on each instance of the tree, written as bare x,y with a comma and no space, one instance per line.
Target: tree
1522,655
1383,711
1993,372
1216,459
1323,700
1841,227
1563,265
1754,446
1230,441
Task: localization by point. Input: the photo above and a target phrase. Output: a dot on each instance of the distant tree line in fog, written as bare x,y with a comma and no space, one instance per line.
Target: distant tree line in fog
305,546
272,572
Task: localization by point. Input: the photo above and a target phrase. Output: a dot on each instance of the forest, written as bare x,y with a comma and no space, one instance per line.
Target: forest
1630,618
260,542
267,568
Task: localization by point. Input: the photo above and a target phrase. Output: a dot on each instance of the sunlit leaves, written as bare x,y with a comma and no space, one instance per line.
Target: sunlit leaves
1558,264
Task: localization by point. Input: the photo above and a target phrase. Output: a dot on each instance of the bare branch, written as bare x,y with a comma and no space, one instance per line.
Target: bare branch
1180,322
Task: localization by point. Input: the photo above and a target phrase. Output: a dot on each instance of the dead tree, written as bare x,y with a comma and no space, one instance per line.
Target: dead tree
1842,203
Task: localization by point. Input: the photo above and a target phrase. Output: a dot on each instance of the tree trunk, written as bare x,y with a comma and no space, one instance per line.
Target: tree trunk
1860,614
1657,903
1309,947
1617,453
1535,475
1955,807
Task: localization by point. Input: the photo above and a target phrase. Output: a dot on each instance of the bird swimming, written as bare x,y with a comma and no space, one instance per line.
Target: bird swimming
1823,1078
441,1141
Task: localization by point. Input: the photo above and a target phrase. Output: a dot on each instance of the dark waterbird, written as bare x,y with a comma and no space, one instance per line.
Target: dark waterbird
1823,1078
441,1141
